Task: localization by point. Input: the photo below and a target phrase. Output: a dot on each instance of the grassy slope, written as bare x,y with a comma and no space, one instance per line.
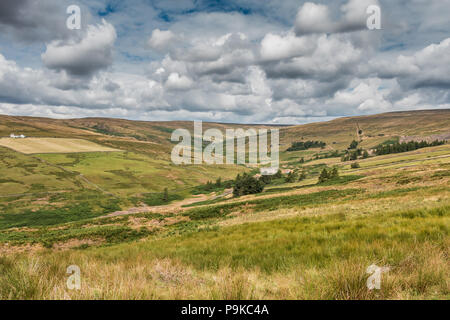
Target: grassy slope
127,173
27,174
144,167
317,244
375,128
151,140
314,256
298,240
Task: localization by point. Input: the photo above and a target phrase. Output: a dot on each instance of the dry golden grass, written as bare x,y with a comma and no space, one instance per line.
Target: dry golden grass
52,145
422,274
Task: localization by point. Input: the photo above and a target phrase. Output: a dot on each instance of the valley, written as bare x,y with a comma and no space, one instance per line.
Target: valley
140,227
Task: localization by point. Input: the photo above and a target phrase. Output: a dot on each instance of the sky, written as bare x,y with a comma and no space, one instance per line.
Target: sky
248,61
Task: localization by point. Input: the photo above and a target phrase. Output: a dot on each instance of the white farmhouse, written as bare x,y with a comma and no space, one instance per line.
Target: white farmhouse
12,135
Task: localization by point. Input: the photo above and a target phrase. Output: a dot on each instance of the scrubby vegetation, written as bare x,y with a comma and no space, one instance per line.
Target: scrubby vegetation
328,174
292,176
210,186
305,145
326,155
355,165
157,199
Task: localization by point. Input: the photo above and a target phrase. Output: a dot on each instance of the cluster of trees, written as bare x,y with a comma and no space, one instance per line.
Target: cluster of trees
247,184
353,145
328,174
294,176
218,184
304,145
353,155
405,146
210,186
267,179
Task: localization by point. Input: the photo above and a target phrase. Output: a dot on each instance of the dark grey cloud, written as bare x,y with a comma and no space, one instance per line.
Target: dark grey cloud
11,12
92,53
36,20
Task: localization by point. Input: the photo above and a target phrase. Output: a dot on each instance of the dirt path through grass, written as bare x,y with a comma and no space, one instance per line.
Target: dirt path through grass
169,208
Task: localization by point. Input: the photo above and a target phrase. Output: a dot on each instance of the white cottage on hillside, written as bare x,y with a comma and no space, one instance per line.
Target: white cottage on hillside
12,135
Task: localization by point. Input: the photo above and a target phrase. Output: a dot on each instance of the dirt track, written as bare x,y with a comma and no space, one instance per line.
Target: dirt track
169,208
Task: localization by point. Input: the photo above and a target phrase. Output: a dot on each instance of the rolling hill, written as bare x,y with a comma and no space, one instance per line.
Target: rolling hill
144,163
341,131
374,129
107,212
